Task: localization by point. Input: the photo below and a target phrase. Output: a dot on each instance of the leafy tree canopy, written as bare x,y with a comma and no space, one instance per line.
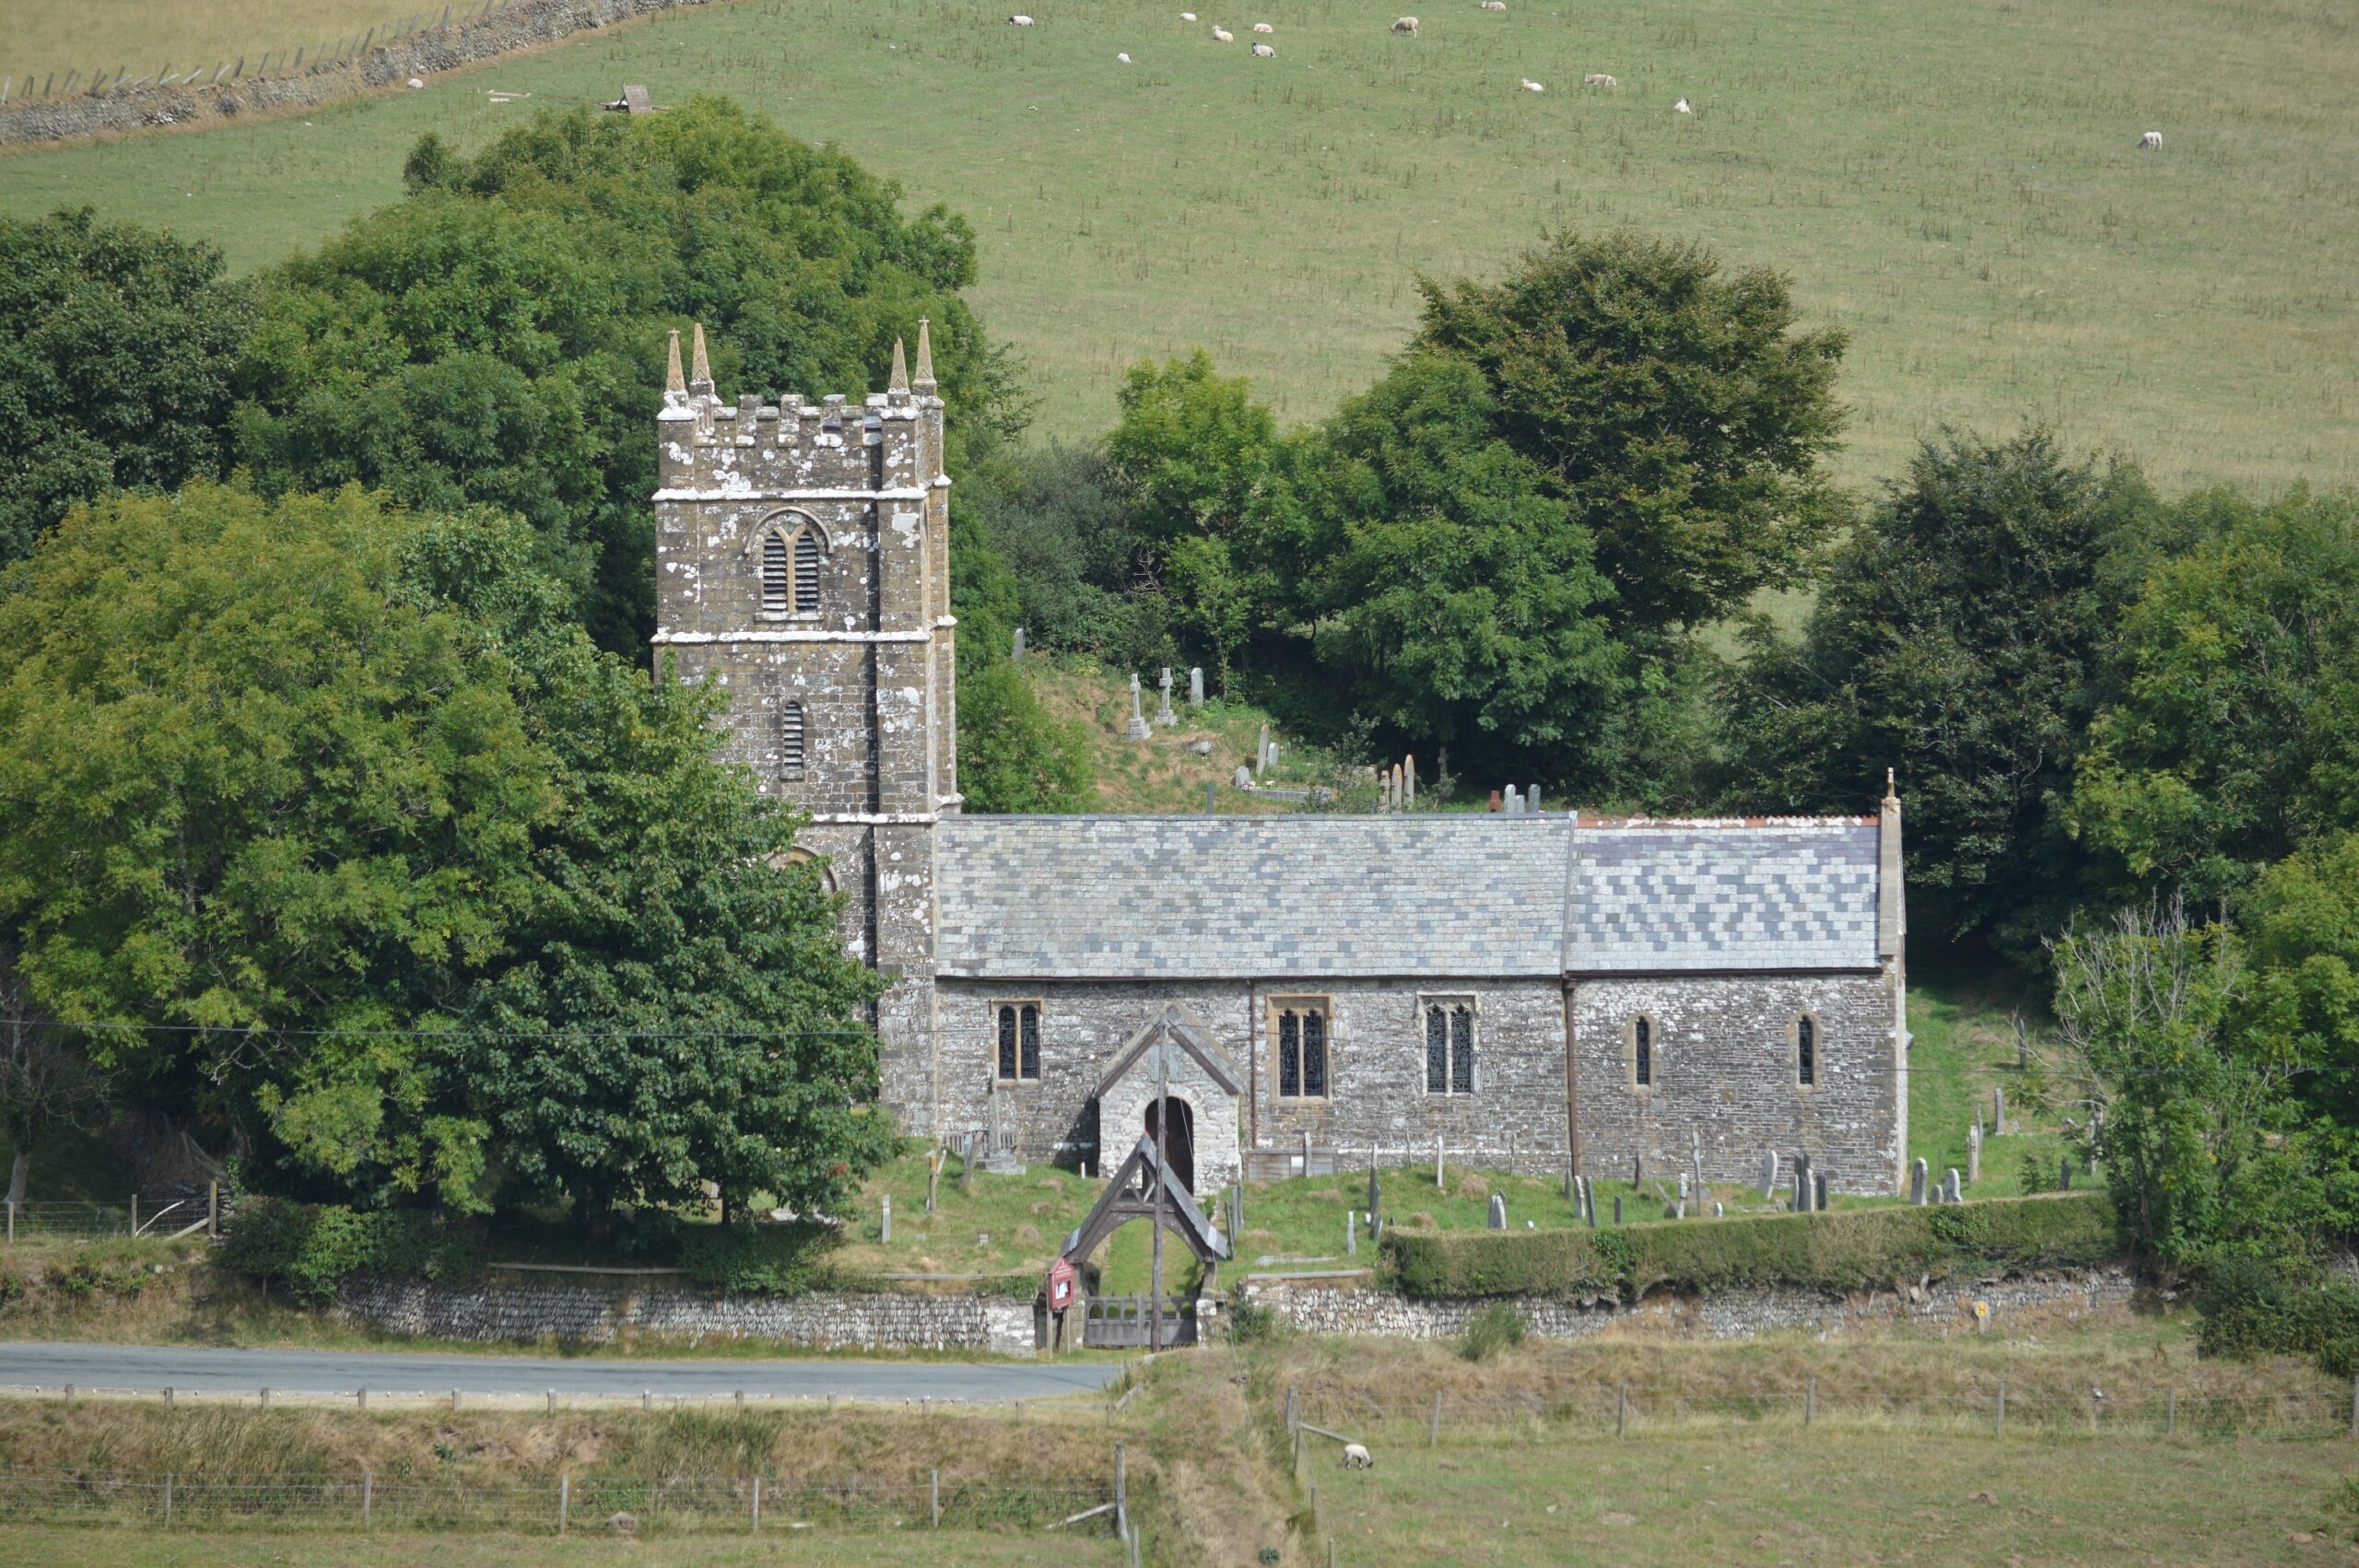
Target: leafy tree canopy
1956,641
115,347
431,897
498,337
1680,409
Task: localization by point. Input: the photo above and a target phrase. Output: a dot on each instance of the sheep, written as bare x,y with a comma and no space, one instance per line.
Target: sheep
1264,52
1356,1458
1681,108
1407,25
1019,20
1599,79
1186,16
1528,85
1495,5
1263,26
1222,35
1123,58
2152,141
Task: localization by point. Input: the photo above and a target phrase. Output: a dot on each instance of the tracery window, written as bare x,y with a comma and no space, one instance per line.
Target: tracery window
1302,1029
1019,1041
1449,1047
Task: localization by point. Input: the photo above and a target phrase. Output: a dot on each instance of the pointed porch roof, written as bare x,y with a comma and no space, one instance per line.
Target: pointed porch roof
1117,1205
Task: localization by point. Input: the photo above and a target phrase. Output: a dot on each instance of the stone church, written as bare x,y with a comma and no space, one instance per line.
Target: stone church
1526,990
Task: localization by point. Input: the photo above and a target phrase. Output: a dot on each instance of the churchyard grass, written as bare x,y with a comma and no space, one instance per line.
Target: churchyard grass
921,1549
1958,186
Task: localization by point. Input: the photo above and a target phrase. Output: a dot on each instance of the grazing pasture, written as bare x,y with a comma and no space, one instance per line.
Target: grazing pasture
1961,186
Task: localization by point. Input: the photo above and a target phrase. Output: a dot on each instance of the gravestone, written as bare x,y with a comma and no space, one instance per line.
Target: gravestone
1637,1168
1270,760
1617,1208
1818,1191
1511,804
1138,729
2064,1176
1531,800
1802,1183
884,1227
1163,714
1351,1232
998,1134
1409,779
1917,1174
1016,651
1974,1151
1498,1212
1196,687
1262,750
1677,1211
1244,779
1684,1192
1718,1210
1375,1193
1768,1173
1999,1111
1951,1191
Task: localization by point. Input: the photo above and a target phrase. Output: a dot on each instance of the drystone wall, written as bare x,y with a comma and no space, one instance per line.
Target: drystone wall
1732,1314
527,1310
28,120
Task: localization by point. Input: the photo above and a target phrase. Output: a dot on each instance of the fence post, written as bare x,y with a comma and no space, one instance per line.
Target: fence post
1810,1400
168,1399
553,1401
2170,1412
757,1505
368,1495
1999,1430
168,1500
1121,1495
135,1216
934,1495
12,1221
564,1500
1622,1409
1433,1437
266,1398
212,1209
360,1397
454,1399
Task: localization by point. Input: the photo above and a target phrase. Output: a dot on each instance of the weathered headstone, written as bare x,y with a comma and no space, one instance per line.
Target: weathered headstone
1768,1173
1351,1232
1953,1190
1244,779
1684,1192
1999,1110
1163,714
1589,1202
1678,1210
2064,1176
1974,1151
1262,750
884,1227
1196,687
1138,729
1719,1210
1638,1167
999,1146
1617,1208
1818,1191
1375,1193
1498,1211
1511,802
1015,650
1270,758
1531,800
1918,1172
1802,1183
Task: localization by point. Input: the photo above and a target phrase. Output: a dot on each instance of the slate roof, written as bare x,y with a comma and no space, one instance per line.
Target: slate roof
1798,893
1306,898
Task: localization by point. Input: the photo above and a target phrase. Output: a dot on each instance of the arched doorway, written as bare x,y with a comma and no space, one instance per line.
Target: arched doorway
1179,1150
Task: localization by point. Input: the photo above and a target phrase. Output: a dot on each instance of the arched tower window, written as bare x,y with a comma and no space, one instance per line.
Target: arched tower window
790,740
1642,1051
789,553
1806,1049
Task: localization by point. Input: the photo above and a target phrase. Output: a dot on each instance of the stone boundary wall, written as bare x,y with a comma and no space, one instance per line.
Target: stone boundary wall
1732,1314
519,25
529,1310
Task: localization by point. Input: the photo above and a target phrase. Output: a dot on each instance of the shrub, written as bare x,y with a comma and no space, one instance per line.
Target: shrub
1251,1322
1840,1251
782,1261
1497,1327
311,1249
2254,1306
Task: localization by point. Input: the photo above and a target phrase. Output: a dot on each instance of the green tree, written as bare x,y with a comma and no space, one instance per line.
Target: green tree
115,348
2303,915
1680,410
1014,756
2229,733
1957,640
338,815
497,336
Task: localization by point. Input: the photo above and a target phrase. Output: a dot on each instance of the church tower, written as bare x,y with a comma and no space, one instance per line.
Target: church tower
802,560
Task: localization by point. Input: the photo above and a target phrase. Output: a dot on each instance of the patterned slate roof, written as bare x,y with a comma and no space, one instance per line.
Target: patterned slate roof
1792,894
1309,896
1144,897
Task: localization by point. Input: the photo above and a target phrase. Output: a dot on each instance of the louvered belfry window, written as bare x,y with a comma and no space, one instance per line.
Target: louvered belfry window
791,553
777,589
806,573
790,740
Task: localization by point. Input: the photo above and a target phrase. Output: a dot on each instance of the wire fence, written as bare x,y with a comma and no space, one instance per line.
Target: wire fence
160,1217
555,1506
1992,1406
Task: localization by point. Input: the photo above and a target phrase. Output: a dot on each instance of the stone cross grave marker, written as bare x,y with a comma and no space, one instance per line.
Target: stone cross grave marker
1498,1212
1917,1174
1196,687
1163,714
1138,729
1768,1173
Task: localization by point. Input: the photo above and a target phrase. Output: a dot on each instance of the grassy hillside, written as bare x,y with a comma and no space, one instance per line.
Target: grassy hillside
1956,184
150,37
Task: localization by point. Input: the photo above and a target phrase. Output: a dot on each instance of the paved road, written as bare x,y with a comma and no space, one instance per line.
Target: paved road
147,1367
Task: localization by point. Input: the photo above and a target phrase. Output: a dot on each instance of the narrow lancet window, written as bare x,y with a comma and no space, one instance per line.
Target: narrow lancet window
1806,1049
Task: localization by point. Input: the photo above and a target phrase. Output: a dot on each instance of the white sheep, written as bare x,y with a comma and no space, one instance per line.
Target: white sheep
1186,16
1019,20
1407,25
1528,85
1356,1458
1263,26
1222,35
1264,52
1681,108
2151,142
1599,79
1123,58
1495,5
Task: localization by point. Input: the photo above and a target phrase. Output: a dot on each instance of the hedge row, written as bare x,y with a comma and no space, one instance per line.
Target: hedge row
310,1248
1855,1249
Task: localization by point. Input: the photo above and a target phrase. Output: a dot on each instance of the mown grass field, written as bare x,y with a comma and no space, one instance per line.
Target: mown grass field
1957,185
147,38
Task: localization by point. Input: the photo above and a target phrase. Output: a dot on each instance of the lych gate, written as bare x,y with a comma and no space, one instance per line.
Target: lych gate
1132,1195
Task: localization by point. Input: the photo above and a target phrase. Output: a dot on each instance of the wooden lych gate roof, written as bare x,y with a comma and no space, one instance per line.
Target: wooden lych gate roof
1117,1205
